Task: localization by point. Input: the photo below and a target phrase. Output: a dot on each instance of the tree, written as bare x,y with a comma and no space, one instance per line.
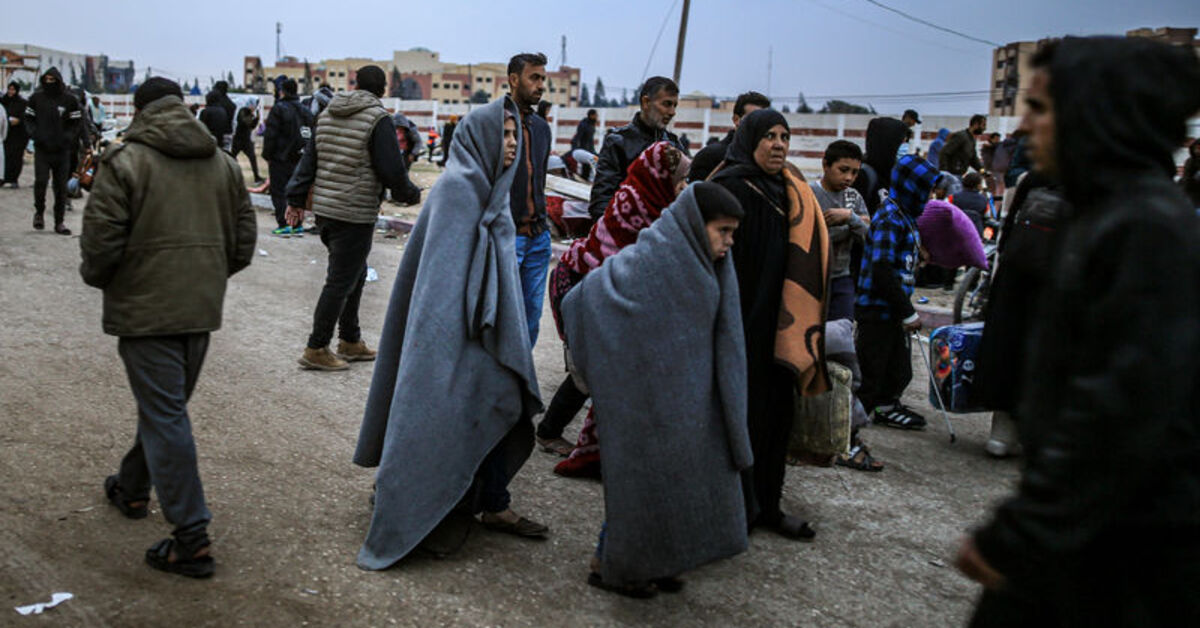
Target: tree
480,97
598,96
584,99
396,90
229,78
785,109
802,106
841,106
308,76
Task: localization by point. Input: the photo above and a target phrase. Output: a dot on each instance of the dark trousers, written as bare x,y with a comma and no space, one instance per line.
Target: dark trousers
885,357
770,432
567,402
841,298
280,172
162,373
14,160
45,165
348,244
246,145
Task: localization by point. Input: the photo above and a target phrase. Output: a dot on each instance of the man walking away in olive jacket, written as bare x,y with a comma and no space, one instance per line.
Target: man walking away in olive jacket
167,223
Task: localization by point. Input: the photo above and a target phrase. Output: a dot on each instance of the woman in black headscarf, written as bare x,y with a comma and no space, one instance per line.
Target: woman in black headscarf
782,218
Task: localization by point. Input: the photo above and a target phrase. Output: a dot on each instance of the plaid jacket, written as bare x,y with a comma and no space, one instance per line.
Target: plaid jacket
893,239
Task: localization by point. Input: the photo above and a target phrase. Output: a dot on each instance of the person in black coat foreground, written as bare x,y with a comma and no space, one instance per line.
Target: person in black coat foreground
1104,528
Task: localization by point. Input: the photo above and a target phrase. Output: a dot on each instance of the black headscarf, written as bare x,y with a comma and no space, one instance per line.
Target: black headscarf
739,158
1121,107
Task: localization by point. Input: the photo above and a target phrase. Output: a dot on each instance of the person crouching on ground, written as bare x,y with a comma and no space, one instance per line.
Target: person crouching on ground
663,354
349,160
448,414
167,222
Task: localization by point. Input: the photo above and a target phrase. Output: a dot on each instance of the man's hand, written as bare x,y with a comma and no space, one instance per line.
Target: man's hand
973,565
912,325
294,216
837,216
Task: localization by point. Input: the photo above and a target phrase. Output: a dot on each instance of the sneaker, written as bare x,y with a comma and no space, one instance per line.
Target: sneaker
298,232
283,232
322,360
354,351
898,417
62,229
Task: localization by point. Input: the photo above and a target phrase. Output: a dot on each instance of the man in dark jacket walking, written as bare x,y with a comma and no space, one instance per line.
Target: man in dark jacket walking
960,151
1104,528
526,82
222,88
52,119
349,160
658,98
17,138
167,223
289,127
585,133
214,119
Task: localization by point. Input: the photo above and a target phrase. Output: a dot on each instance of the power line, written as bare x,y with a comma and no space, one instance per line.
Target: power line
889,29
654,48
932,25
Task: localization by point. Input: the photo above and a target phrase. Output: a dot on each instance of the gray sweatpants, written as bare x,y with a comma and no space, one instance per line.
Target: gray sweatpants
162,373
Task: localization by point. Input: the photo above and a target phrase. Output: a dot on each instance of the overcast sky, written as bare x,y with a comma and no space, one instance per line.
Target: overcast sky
824,48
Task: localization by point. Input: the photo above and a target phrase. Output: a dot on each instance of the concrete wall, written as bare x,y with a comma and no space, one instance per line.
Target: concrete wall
811,133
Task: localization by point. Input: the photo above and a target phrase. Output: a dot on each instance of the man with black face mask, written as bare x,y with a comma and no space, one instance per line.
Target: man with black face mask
52,119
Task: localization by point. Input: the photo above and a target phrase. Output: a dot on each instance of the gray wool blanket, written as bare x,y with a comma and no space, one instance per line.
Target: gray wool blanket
656,333
454,373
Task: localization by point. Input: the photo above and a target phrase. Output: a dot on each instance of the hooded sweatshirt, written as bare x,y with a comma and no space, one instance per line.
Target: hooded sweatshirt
1108,417
167,222
15,107
890,256
53,115
213,117
935,147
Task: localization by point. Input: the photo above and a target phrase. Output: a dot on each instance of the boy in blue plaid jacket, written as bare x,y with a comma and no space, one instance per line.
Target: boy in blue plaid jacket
885,314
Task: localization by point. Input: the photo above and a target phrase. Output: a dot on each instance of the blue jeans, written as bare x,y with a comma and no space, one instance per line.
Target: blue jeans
533,260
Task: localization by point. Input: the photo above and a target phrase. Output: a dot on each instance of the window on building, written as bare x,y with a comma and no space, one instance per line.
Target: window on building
488,79
437,86
999,104
1000,64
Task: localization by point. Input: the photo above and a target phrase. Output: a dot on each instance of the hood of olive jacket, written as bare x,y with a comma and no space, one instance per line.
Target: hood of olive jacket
167,126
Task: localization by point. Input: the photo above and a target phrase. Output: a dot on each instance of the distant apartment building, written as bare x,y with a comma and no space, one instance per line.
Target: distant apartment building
96,73
1011,74
419,74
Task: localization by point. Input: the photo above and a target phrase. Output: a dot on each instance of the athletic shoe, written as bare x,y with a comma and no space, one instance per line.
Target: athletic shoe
298,232
282,232
898,417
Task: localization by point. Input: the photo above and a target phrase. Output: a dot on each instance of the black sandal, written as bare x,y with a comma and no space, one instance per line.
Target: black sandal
191,565
642,591
112,490
859,459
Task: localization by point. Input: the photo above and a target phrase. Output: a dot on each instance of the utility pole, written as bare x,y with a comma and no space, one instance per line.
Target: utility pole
683,20
770,60
278,32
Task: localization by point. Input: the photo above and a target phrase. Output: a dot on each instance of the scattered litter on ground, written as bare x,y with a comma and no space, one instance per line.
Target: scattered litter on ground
263,252
371,274
36,609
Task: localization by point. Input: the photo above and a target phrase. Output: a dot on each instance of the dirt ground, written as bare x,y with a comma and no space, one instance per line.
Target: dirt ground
290,510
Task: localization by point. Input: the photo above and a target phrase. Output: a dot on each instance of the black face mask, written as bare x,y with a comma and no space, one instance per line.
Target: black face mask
54,89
